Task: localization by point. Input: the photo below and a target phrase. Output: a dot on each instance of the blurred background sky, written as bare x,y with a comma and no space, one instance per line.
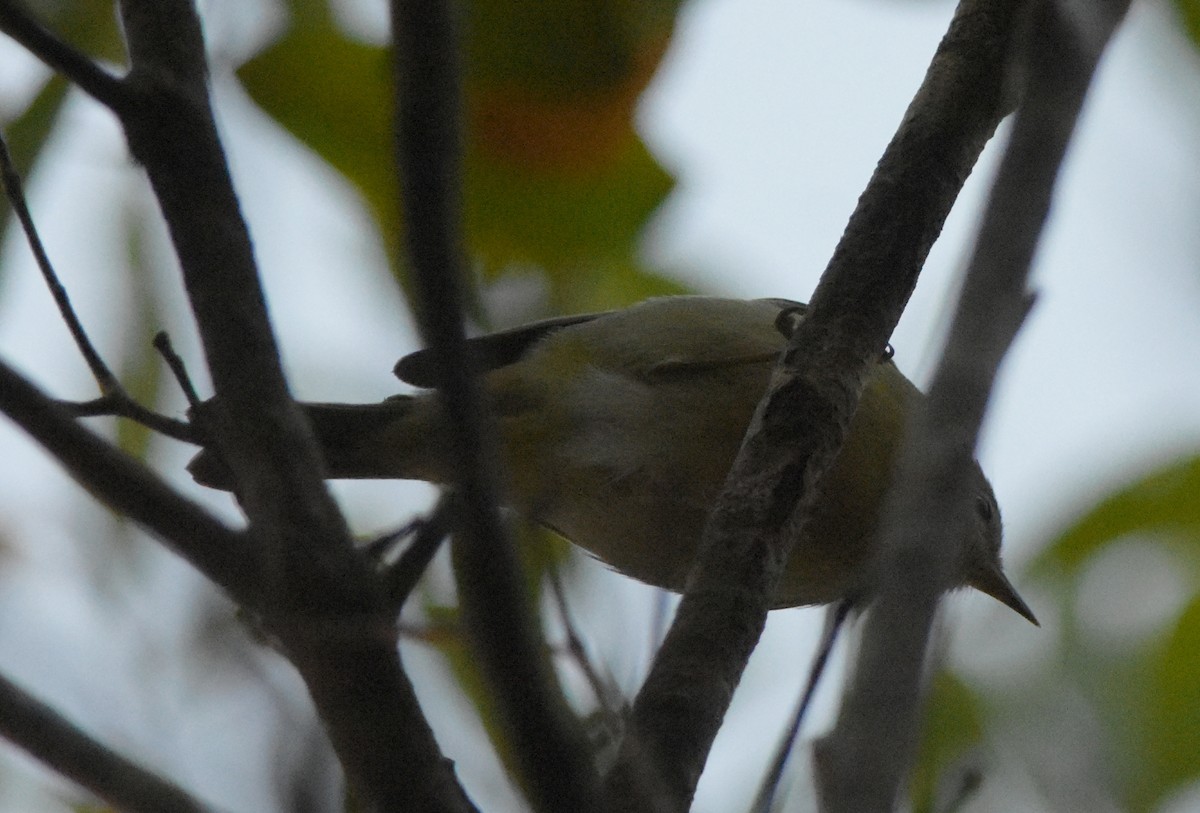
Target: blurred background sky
771,114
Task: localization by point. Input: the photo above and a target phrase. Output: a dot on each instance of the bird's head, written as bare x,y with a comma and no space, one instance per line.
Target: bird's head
984,570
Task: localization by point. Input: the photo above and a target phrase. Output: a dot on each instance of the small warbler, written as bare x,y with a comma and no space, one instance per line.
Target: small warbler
617,430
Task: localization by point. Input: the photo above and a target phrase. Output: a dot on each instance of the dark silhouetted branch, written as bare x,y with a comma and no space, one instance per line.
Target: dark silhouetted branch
834,619
799,426
862,763
22,26
114,400
312,588
552,755
129,488
56,741
16,196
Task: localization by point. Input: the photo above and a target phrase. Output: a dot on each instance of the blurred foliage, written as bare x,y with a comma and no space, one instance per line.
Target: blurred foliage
555,175
1163,503
1190,13
1144,694
541,551
140,365
90,26
953,725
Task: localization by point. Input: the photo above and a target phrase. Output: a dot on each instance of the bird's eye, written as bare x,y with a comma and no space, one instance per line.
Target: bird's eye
984,507
788,320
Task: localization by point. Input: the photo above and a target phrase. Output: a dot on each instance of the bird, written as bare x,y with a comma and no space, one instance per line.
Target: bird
617,429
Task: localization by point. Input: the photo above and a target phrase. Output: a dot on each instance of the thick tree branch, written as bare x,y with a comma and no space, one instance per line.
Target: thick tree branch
56,741
553,758
863,762
324,602
800,423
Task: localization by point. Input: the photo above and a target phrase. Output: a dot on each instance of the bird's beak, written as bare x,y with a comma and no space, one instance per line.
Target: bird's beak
991,580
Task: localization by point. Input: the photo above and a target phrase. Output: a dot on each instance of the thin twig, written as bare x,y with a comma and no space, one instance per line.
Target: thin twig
22,26
114,399
834,619
603,690
162,343
401,577
63,746
119,403
862,763
129,488
16,196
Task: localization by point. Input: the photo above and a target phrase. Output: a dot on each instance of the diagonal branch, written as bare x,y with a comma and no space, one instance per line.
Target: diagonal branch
552,754
56,741
129,488
22,26
114,399
799,426
15,192
323,601
861,764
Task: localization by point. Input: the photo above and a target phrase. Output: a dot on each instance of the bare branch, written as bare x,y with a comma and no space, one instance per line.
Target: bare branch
401,577
162,343
314,591
120,482
834,618
862,763
603,687
324,603
56,741
118,403
22,26
115,400
800,423
553,756
16,196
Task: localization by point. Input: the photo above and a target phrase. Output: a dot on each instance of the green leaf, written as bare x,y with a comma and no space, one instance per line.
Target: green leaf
611,286
89,26
141,367
555,174
953,724
1164,503
1170,746
1190,11
568,223
1145,695
334,95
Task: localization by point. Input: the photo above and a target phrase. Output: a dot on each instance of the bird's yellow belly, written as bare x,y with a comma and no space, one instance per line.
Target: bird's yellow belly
649,528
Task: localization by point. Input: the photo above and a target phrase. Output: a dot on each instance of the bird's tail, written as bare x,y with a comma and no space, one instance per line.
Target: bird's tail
384,440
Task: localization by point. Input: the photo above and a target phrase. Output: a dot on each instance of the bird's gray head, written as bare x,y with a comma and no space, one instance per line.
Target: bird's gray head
984,569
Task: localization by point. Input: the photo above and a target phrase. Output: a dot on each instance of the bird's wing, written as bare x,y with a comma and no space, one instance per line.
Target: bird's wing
670,366
725,355
489,352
